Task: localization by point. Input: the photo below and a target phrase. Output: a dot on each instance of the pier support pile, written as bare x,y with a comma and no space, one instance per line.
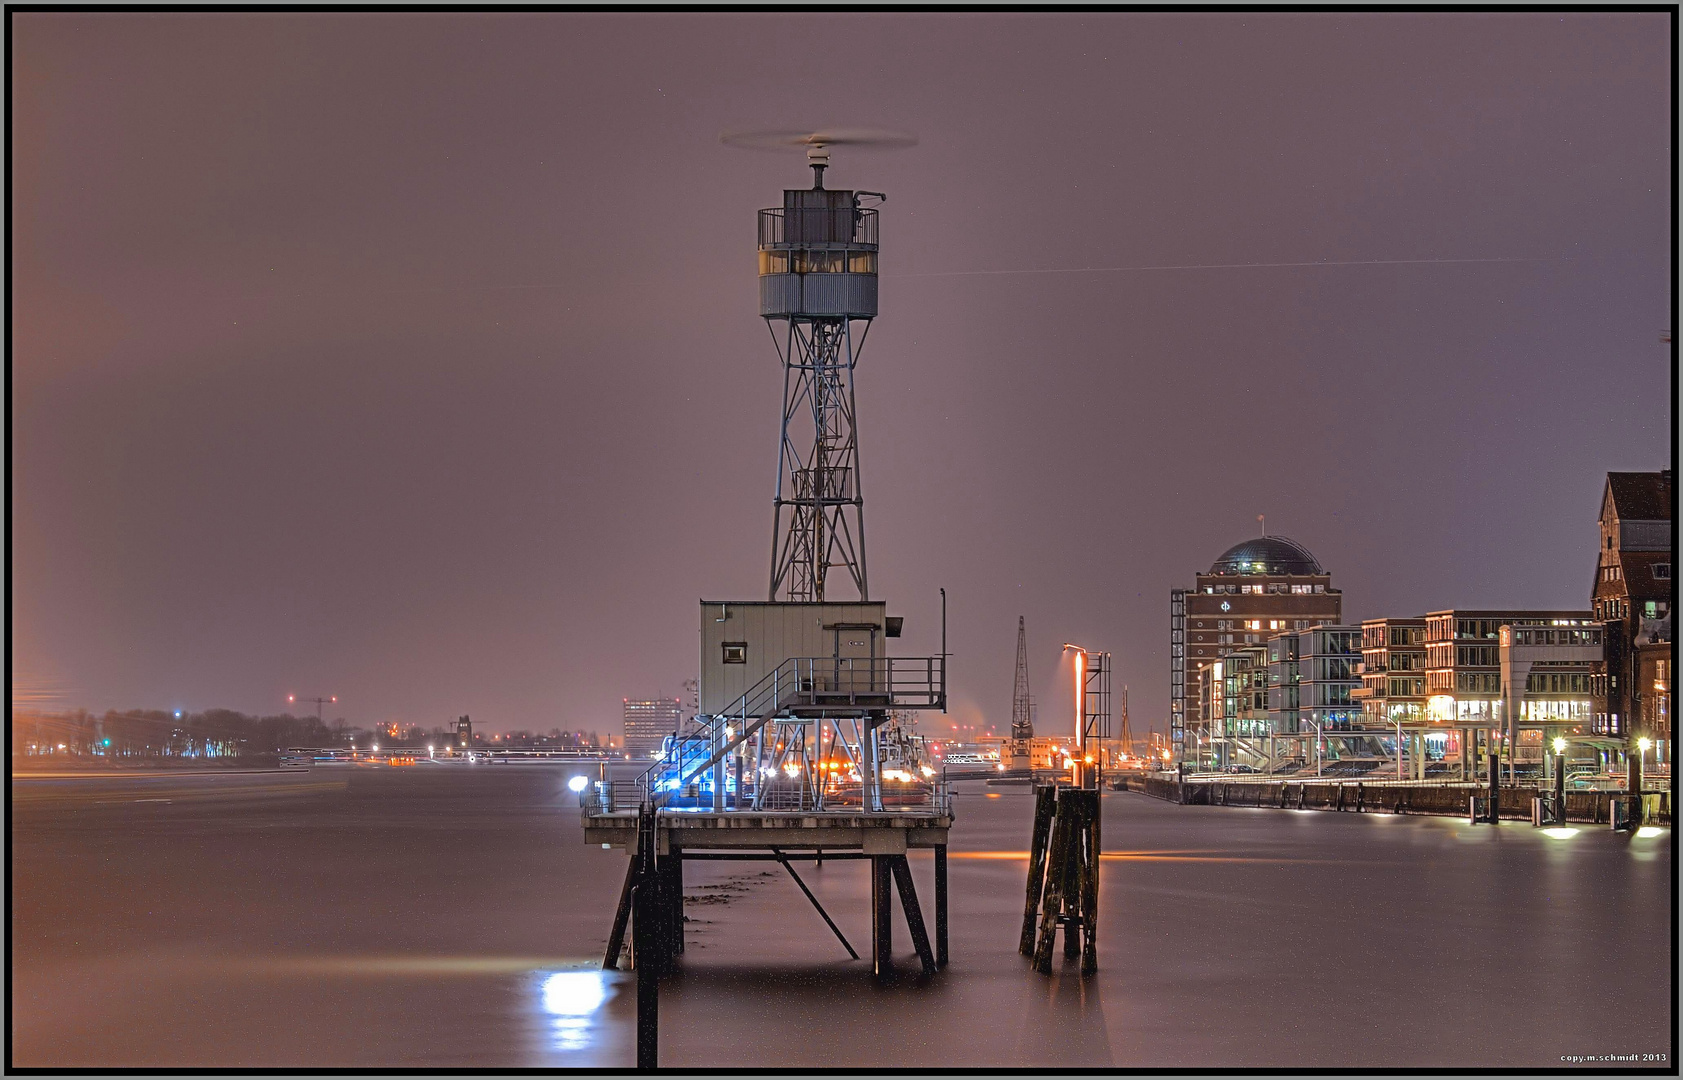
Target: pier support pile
652,902
894,868
1063,879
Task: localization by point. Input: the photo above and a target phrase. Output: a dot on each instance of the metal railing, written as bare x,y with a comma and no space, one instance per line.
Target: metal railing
615,796
817,225
630,796
692,764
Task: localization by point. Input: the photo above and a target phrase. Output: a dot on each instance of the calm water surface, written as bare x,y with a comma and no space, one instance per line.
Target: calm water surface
452,916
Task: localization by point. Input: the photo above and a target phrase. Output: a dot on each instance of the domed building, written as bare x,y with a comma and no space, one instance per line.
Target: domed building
1252,592
1267,555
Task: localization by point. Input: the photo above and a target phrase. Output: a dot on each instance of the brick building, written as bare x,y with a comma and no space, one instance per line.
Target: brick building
1632,597
1253,592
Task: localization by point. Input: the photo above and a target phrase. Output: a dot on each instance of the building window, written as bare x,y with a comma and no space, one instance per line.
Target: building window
1662,570
736,652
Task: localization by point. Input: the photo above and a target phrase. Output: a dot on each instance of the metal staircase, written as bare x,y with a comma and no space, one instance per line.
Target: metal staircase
800,696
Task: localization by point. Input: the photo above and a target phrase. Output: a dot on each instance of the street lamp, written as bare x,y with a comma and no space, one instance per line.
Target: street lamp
1078,775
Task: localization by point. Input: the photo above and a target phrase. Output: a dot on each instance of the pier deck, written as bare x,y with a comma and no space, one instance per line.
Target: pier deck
889,832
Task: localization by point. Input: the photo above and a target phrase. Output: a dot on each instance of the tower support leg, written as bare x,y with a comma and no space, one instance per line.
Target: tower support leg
644,934
914,914
882,928
941,905
831,923
674,867
622,916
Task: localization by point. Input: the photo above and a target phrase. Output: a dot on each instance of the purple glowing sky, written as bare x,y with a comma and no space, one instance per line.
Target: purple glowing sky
415,358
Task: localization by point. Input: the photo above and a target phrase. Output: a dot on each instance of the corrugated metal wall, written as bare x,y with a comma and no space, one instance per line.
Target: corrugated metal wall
773,633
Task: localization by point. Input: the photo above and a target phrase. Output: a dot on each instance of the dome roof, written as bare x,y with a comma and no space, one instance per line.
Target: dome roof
1267,555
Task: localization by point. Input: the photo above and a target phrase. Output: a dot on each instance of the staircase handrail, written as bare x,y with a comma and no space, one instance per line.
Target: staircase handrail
770,696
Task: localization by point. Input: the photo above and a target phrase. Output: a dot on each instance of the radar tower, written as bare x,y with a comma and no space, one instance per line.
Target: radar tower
818,295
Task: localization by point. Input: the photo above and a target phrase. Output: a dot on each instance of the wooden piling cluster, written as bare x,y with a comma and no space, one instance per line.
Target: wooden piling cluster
1063,881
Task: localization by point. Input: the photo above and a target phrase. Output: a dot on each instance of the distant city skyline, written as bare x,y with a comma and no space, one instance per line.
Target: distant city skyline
416,359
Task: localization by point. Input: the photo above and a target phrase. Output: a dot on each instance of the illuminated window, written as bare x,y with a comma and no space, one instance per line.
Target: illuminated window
861,262
820,262
774,262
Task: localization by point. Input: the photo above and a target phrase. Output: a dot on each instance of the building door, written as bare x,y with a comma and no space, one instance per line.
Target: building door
856,659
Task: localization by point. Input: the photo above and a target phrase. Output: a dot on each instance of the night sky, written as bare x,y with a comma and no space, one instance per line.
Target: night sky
416,359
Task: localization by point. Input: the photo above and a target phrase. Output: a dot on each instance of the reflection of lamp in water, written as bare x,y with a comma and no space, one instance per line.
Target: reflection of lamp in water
571,997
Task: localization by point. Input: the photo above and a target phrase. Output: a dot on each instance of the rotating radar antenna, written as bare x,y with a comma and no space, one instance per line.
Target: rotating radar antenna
818,295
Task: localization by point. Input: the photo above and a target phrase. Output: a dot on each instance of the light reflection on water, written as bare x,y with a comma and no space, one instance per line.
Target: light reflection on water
573,999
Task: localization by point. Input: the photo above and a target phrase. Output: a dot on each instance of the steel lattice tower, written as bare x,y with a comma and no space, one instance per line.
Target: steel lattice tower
818,295
1022,720
818,520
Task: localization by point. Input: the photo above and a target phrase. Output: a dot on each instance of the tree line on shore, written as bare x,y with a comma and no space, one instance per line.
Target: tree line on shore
224,733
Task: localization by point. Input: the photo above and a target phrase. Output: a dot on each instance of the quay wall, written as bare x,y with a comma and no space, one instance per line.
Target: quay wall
1586,806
